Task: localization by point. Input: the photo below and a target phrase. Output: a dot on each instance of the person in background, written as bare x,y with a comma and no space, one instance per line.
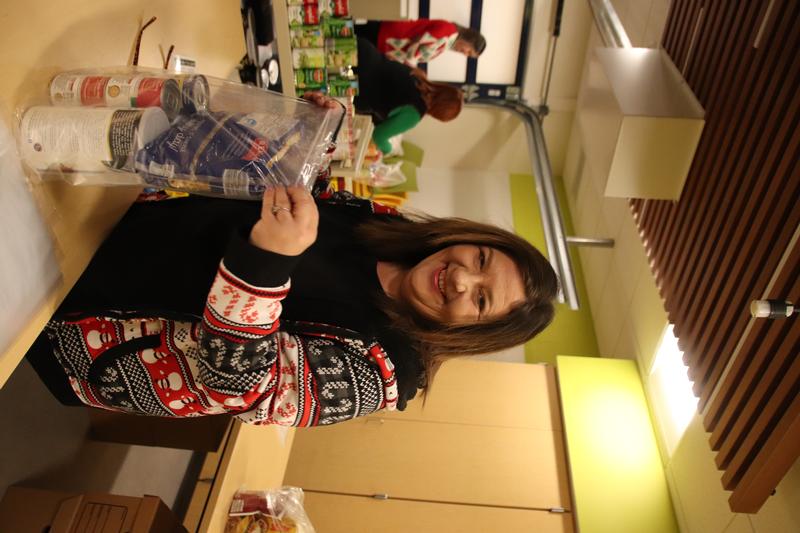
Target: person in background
419,41
398,96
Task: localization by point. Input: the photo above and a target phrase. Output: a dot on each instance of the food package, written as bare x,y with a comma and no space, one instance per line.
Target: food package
338,27
272,511
341,53
197,134
306,37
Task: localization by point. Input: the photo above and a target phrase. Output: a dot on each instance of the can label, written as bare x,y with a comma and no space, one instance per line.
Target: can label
309,77
308,58
341,8
69,89
122,137
118,91
93,90
305,15
148,92
187,94
333,27
158,92
80,140
306,37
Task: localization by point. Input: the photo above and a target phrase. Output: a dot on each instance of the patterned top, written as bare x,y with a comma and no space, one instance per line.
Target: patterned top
415,41
240,358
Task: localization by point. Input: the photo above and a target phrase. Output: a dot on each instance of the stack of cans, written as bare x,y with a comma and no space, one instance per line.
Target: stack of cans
323,47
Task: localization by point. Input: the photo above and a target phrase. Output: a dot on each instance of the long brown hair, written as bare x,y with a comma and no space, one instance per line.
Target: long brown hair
443,101
408,241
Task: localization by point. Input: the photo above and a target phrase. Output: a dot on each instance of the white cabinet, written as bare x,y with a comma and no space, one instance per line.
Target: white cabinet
639,122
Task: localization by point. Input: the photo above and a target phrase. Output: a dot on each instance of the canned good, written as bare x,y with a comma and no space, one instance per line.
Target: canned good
180,94
334,27
341,8
194,93
158,92
75,89
309,78
308,58
307,37
87,139
342,87
307,14
340,57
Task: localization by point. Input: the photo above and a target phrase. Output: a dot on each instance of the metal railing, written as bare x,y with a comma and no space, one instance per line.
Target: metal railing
555,236
608,24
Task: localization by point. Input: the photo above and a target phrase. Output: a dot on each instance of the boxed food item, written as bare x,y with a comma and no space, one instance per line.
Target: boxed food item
198,134
27,510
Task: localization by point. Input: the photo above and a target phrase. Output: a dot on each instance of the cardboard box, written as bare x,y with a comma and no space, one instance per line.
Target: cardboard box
24,510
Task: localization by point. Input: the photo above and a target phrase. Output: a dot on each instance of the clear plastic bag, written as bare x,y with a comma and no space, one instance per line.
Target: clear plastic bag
191,133
270,511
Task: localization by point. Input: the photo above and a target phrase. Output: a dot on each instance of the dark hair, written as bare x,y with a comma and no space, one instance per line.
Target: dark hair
443,101
473,37
407,241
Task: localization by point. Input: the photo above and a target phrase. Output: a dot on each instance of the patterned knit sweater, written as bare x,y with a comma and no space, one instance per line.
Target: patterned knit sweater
237,355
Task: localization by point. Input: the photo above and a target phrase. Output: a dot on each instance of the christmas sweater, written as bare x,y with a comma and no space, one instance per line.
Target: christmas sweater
415,41
239,358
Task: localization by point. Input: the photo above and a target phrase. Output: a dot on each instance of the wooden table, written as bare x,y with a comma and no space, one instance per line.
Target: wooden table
41,38
251,458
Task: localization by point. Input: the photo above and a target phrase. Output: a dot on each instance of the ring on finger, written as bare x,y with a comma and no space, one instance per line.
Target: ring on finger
276,208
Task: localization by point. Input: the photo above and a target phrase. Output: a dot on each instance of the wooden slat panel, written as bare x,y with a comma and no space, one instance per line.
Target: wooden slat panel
775,411
703,192
737,388
771,463
767,226
720,245
731,122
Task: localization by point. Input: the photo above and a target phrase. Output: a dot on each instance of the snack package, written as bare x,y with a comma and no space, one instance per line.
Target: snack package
272,511
197,134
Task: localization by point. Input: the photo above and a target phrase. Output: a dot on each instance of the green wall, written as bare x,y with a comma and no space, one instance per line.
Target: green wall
617,477
572,332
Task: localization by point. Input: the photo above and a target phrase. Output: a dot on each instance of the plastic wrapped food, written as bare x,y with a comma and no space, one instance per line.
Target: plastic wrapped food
272,511
132,126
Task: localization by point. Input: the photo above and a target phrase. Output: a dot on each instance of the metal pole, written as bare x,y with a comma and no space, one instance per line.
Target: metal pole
552,220
590,241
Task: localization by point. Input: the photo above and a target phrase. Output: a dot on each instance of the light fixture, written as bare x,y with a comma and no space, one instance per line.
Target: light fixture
671,391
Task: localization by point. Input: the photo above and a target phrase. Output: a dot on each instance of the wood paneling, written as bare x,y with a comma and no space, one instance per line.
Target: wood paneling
403,516
730,237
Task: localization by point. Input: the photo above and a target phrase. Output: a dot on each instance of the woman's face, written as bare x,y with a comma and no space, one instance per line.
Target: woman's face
463,284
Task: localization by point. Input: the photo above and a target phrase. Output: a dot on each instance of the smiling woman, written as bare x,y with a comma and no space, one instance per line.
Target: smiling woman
318,311
461,284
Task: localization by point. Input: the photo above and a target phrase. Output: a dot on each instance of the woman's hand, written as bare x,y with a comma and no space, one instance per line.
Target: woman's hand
320,100
288,223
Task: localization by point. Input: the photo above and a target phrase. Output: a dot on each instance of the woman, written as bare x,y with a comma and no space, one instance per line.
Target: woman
419,41
316,314
398,96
